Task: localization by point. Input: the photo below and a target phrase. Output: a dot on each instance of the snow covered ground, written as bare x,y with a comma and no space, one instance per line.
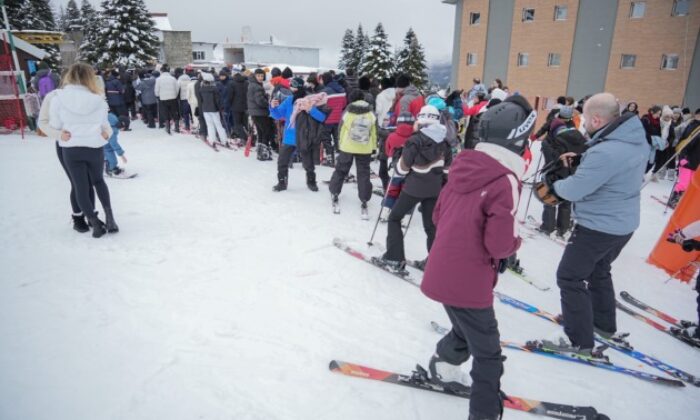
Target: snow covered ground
220,299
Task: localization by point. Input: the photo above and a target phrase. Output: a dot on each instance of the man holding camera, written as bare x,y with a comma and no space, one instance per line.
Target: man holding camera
605,192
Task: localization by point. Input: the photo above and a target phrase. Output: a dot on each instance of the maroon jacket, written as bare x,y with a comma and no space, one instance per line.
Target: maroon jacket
476,227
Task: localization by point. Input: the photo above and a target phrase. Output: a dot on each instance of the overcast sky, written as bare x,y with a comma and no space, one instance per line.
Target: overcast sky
314,23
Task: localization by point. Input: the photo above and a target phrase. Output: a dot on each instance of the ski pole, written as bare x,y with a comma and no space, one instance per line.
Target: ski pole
670,196
532,190
409,221
681,145
381,210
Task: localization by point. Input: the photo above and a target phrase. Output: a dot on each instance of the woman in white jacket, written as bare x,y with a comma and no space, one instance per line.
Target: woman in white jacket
80,113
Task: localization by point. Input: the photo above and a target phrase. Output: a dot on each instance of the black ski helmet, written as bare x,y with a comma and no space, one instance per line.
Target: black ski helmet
508,124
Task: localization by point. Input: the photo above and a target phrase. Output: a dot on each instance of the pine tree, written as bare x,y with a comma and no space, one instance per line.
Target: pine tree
91,23
347,50
27,17
72,20
45,14
13,14
359,50
127,34
378,63
411,60
37,15
61,19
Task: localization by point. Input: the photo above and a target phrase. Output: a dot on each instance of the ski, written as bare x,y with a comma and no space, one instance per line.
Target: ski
531,224
532,347
673,333
210,144
642,357
657,313
659,200
248,145
406,276
418,379
517,274
124,175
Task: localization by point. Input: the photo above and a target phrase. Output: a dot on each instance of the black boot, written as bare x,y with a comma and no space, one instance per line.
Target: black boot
281,184
110,224
79,223
177,126
311,181
98,228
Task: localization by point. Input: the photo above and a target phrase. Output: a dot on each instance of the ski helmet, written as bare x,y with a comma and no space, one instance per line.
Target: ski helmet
508,124
428,115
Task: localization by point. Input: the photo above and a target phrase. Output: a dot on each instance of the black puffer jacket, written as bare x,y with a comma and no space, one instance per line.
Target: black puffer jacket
308,129
208,98
258,103
425,160
691,152
239,93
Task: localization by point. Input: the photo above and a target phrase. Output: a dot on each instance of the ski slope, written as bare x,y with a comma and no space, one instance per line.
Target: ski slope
220,299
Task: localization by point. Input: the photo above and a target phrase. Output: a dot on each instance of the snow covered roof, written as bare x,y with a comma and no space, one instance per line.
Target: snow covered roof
30,49
162,22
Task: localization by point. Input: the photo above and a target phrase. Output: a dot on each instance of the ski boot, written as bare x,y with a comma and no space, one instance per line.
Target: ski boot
564,346
281,184
311,181
79,223
110,224
619,339
447,375
364,211
420,264
396,267
335,202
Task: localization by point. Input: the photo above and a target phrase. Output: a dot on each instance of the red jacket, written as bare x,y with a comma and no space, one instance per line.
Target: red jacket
476,227
473,110
398,138
279,80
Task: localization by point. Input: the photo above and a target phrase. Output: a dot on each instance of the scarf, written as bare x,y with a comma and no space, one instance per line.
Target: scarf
305,104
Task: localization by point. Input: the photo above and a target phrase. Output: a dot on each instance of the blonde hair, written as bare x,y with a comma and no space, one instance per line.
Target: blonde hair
83,75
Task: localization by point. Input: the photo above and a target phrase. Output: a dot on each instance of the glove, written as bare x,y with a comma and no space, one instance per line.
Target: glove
502,265
691,245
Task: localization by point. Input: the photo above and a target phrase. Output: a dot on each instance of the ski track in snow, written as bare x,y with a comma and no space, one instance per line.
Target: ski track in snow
220,299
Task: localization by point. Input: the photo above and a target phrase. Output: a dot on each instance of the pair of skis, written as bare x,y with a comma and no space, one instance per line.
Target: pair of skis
677,326
418,379
642,357
532,347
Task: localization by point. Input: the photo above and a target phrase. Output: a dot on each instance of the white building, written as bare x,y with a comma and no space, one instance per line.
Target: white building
254,54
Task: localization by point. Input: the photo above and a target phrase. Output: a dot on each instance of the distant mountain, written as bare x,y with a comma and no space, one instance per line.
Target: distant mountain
439,73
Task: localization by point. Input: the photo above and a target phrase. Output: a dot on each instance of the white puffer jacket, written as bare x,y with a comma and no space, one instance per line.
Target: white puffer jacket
183,82
82,113
166,87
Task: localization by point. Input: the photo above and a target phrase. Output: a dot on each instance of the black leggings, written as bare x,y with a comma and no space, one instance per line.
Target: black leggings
84,165
73,201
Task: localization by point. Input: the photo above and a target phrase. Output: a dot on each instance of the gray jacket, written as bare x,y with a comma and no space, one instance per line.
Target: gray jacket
606,187
147,90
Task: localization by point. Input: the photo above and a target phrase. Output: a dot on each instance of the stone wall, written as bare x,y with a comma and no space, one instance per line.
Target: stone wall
177,47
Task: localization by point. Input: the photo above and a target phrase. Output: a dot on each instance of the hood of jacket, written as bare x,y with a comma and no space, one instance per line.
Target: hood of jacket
404,130
359,107
238,78
411,92
334,88
79,100
627,129
184,78
474,169
41,73
435,132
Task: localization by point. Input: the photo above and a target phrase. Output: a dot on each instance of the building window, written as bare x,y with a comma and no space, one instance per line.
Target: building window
561,12
637,9
198,55
474,18
554,60
471,59
669,61
628,61
528,15
523,59
681,7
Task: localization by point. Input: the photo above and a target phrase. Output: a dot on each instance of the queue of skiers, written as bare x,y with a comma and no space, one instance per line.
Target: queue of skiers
459,158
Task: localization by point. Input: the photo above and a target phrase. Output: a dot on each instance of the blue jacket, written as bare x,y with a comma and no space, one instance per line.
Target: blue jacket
284,112
606,187
115,91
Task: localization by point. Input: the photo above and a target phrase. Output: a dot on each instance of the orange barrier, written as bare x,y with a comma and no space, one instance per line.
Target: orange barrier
671,257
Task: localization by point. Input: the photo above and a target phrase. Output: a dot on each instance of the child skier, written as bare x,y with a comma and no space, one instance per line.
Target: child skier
357,141
476,232
113,148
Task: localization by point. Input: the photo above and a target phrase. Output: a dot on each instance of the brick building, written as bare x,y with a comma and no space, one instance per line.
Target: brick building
644,51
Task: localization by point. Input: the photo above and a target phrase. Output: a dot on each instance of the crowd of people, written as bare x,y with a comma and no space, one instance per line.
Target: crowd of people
459,157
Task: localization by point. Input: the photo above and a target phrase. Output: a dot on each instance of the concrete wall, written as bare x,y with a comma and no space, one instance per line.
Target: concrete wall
70,49
498,40
692,91
279,54
457,42
177,48
650,37
595,26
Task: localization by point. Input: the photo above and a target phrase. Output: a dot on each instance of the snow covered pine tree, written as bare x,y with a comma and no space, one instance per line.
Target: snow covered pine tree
378,63
127,34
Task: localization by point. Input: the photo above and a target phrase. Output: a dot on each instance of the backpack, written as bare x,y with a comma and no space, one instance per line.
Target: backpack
360,128
46,85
